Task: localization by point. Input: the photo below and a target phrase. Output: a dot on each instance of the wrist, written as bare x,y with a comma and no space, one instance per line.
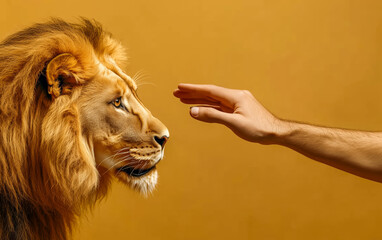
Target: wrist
280,131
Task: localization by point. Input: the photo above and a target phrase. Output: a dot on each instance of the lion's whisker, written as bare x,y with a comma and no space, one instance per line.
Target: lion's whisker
146,83
106,159
134,161
130,163
119,152
140,75
137,73
146,163
116,165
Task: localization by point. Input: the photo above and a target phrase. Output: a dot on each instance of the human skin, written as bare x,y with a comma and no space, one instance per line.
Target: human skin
353,151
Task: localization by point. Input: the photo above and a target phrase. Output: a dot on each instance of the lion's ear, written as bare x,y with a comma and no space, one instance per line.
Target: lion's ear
61,74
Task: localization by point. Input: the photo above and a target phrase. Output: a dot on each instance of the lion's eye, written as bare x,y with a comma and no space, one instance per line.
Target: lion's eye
117,103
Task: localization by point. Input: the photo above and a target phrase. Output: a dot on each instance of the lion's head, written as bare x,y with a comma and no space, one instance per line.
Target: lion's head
128,141
70,120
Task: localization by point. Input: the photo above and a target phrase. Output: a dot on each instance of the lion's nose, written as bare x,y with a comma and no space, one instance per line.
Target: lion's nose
161,140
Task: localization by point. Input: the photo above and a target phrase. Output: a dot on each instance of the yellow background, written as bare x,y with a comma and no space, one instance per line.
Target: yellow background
311,61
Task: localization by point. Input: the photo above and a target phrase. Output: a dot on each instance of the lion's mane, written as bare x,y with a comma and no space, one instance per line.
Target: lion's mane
47,170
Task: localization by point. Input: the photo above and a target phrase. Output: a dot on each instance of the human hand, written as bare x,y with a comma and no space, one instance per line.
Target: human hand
236,109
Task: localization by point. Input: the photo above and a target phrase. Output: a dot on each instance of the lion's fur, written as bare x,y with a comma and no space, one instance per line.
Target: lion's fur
47,171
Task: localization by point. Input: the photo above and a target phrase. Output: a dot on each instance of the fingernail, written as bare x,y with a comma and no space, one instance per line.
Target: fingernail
194,111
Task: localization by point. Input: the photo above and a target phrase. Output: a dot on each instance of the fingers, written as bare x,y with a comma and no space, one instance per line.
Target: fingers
211,115
199,101
210,92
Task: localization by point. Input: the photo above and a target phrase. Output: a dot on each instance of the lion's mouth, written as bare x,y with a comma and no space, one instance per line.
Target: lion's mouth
134,172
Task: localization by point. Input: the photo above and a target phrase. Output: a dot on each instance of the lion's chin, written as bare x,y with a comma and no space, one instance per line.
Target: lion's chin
144,184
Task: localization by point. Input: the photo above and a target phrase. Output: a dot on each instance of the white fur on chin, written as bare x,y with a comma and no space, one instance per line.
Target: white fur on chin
145,184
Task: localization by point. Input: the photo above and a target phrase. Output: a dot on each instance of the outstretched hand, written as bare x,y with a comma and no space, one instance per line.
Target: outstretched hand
353,151
236,109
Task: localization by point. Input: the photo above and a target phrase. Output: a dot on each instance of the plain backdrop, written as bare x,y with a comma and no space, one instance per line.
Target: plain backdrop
312,61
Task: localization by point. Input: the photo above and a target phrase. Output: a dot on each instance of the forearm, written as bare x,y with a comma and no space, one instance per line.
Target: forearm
356,152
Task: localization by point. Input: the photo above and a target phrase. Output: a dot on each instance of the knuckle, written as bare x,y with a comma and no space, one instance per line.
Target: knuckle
203,111
244,93
206,112
210,88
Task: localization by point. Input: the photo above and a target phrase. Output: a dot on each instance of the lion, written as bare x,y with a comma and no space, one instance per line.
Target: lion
70,122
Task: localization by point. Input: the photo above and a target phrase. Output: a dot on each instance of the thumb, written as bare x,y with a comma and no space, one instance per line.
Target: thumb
211,115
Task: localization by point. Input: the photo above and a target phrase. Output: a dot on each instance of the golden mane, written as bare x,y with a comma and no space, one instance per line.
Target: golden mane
47,171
